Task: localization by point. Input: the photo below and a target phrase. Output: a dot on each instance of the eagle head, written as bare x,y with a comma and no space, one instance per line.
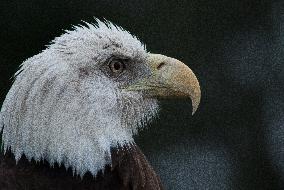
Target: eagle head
90,90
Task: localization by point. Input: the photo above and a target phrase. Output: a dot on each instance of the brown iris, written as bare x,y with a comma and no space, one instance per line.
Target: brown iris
117,66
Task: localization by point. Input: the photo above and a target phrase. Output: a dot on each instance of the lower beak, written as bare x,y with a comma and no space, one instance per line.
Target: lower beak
170,78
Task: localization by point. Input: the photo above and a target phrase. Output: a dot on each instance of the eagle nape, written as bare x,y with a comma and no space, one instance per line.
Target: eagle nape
69,118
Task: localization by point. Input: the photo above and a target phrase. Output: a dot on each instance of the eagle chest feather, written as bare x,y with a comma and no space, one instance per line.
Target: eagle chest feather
129,171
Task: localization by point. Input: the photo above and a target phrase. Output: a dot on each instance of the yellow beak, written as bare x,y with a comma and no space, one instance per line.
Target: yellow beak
169,78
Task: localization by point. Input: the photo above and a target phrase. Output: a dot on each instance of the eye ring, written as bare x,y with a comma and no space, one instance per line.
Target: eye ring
116,66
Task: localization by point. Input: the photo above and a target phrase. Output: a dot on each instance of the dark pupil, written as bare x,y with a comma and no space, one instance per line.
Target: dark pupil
117,65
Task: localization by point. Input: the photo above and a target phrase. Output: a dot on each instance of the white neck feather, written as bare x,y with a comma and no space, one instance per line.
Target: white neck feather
51,114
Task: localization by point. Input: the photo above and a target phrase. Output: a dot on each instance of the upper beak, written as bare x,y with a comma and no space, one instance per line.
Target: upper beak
170,78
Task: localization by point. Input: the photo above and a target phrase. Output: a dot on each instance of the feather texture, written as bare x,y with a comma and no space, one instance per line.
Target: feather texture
63,109
129,171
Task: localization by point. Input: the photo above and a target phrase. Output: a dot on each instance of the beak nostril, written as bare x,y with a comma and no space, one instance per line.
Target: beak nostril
161,65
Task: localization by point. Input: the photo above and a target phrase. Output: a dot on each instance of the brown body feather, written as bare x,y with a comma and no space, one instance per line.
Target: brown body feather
129,171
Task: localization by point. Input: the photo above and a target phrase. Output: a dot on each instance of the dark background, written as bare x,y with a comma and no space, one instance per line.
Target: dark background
236,48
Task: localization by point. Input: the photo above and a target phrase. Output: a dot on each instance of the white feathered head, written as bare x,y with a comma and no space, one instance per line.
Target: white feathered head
90,90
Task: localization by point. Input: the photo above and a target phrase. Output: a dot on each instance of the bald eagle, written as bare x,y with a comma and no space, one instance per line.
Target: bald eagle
69,118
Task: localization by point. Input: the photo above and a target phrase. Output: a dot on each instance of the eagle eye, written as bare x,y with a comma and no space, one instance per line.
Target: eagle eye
116,66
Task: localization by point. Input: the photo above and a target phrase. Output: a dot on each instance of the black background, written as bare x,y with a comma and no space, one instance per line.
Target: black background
236,48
